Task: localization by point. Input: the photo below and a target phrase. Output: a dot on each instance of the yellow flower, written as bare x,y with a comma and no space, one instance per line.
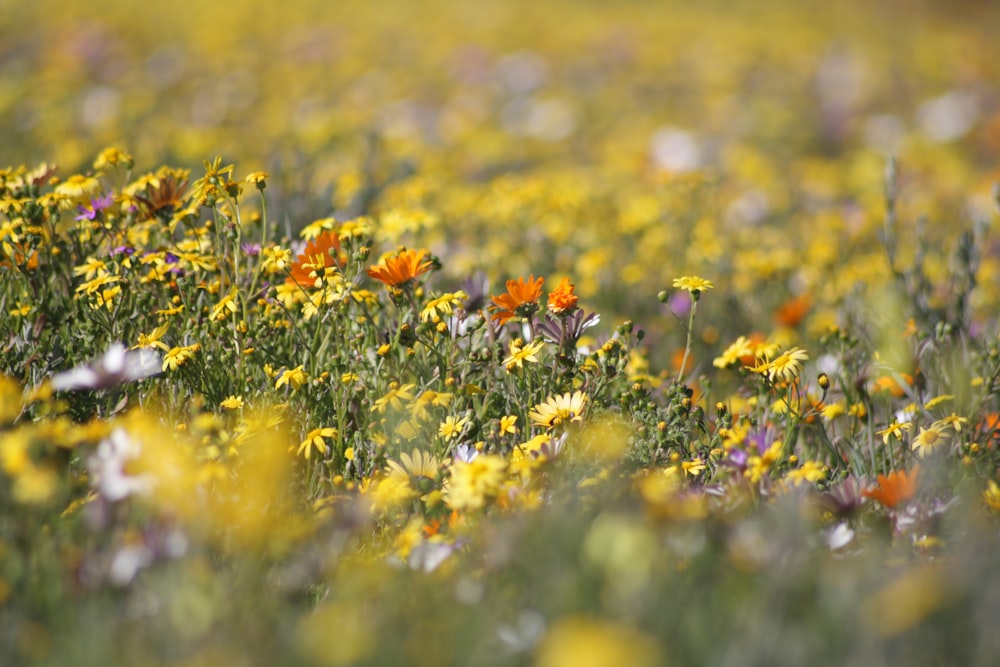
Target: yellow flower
938,400
786,366
991,496
954,421
178,356
929,440
225,307
420,407
153,339
78,187
451,427
472,483
579,641
21,310
740,348
833,410
258,179
295,378
695,285
508,424
275,260
316,439
758,466
415,467
317,227
232,403
520,353
693,468
96,284
559,409
394,397
442,306
112,156
894,430
91,268
809,471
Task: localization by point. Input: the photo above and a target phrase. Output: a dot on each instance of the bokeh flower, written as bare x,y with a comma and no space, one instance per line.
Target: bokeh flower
472,483
116,366
895,488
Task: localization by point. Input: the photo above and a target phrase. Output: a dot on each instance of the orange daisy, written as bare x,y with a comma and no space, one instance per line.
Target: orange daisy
404,267
521,299
320,254
562,299
895,488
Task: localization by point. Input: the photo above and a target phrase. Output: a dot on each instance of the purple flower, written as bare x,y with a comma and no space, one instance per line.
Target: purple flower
761,438
251,249
680,303
97,205
738,459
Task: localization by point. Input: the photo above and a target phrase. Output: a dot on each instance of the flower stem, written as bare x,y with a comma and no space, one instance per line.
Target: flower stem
687,346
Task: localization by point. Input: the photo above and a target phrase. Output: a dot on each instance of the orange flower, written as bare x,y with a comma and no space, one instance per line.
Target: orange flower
562,299
23,259
792,312
521,299
889,384
316,258
404,267
895,488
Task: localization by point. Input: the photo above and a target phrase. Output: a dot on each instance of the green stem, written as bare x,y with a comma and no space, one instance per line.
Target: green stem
687,346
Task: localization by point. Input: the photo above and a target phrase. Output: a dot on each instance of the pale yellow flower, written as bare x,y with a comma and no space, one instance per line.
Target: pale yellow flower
559,409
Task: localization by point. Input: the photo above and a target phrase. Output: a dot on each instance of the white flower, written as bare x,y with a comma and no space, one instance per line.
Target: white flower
118,365
839,537
466,453
427,556
108,463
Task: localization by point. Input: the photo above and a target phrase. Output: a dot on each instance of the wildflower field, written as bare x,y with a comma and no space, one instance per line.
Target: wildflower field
564,334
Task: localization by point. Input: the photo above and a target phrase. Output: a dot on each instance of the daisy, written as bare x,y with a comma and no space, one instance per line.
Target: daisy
398,270
452,427
521,299
786,366
741,348
895,488
694,285
929,440
559,409
520,353
320,254
561,299
316,439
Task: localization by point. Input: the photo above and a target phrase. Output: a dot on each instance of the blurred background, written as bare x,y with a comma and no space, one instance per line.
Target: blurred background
619,145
